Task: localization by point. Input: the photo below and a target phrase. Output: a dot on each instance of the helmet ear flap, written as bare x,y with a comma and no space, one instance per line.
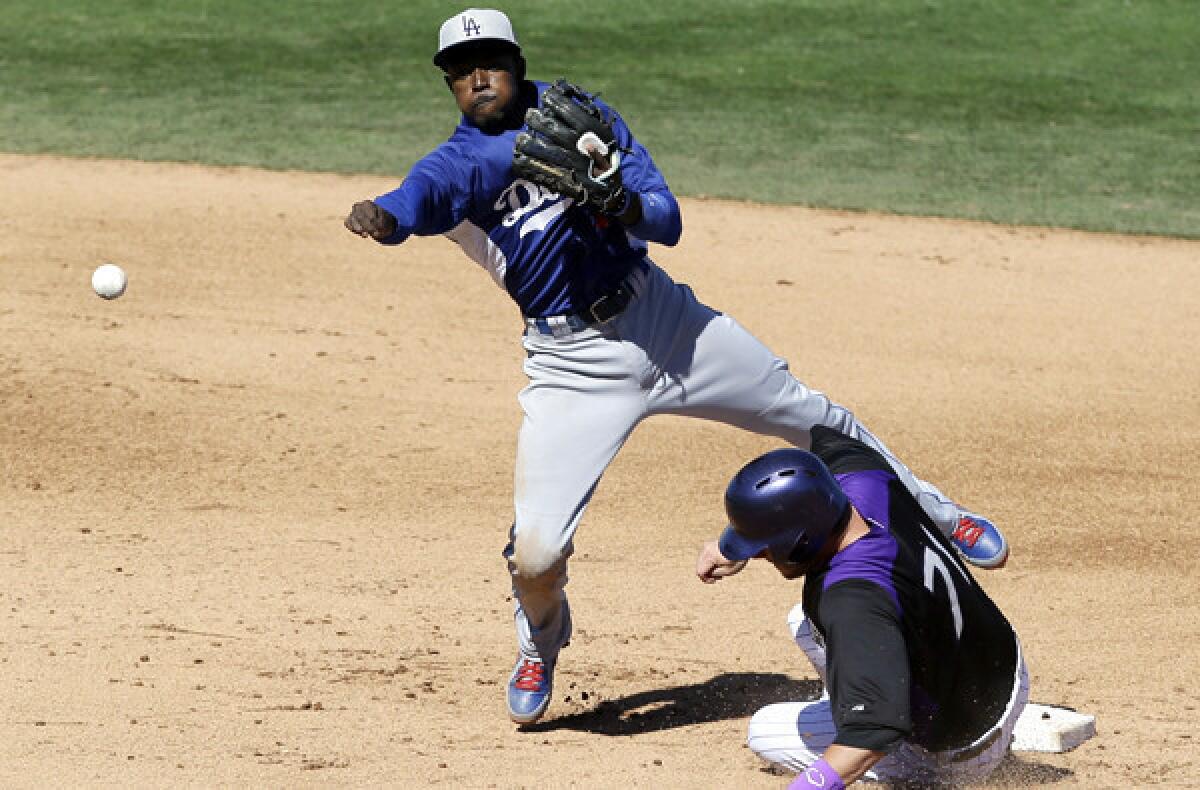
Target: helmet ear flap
800,551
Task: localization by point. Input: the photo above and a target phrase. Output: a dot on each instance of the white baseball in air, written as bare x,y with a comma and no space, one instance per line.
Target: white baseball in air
109,281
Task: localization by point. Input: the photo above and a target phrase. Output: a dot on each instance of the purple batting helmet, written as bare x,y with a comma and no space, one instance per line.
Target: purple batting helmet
786,502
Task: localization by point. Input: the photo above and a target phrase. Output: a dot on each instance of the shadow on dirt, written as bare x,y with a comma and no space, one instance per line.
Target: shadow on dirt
734,695
1012,772
1019,772
726,696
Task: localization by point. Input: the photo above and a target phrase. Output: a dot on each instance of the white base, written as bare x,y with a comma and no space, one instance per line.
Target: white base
1045,728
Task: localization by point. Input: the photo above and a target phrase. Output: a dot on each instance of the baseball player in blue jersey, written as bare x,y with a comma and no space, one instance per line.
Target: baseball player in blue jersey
610,339
924,675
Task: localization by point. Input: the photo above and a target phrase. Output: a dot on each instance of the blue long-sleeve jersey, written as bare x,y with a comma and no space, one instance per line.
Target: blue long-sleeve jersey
551,255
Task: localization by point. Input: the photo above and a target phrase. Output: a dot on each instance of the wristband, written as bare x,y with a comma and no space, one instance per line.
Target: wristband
819,776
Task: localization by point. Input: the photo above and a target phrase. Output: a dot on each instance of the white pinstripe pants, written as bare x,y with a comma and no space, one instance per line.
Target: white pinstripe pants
795,734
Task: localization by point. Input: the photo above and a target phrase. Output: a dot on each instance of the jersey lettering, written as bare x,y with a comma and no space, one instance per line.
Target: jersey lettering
953,560
470,26
934,563
524,198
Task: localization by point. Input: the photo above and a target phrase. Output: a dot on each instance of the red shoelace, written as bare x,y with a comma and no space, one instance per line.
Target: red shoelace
530,675
968,532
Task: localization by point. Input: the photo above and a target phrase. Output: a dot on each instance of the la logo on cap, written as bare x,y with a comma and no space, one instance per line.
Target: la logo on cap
472,25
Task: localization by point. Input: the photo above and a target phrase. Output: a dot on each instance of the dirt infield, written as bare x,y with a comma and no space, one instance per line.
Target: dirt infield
252,512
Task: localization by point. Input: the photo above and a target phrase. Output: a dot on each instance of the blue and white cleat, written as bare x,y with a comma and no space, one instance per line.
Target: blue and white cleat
978,540
529,689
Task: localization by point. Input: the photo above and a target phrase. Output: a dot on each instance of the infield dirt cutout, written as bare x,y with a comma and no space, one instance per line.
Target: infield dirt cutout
253,510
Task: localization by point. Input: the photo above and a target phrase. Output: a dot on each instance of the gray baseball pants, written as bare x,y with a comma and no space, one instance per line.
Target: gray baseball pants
665,354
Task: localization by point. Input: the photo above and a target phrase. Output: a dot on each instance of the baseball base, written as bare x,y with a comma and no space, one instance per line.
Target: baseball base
1045,728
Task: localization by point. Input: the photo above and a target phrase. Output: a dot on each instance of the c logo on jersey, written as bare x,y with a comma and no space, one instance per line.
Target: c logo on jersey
525,199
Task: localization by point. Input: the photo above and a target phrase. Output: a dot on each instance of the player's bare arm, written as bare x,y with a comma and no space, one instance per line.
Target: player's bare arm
850,762
712,565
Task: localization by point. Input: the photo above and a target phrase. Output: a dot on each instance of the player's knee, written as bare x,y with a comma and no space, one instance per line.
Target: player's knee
773,736
797,620
536,559
761,731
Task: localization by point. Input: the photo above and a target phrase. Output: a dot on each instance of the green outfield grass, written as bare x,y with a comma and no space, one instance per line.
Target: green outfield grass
1084,114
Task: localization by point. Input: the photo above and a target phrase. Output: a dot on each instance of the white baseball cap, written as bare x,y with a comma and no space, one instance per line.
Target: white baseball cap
470,26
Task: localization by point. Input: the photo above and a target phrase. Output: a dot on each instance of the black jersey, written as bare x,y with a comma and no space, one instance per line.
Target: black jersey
915,649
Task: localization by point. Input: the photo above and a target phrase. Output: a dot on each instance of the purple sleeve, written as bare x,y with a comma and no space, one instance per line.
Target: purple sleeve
868,492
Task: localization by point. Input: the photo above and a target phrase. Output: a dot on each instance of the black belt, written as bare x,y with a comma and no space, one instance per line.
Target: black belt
609,305
605,308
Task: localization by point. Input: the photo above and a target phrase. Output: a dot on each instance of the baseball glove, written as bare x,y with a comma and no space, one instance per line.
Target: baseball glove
571,149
